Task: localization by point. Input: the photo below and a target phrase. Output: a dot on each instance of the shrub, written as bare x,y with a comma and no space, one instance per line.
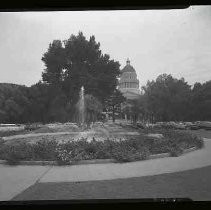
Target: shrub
45,150
11,132
1,141
134,149
183,138
1,147
41,150
158,146
81,150
32,127
198,141
129,150
175,151
14,153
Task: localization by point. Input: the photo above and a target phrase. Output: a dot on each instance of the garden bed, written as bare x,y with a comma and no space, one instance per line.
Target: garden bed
136,148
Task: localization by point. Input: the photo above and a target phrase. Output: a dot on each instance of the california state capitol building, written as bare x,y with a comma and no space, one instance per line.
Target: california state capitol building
128,83
129,86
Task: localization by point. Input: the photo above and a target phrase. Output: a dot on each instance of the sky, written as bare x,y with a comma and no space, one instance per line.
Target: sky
176,42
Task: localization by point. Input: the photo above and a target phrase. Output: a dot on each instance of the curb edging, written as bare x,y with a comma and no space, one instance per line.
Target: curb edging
94,161
161,155
189,150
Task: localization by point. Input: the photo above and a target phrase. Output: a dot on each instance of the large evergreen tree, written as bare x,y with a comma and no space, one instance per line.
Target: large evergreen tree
80,62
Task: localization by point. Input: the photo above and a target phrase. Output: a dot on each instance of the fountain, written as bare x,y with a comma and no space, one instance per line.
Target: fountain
83,120
81,109
84,133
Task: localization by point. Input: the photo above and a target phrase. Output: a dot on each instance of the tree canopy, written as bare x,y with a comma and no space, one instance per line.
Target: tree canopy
113,103
168,98
79,62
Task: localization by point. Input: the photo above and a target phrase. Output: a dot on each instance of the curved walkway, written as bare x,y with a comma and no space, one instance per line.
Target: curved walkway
193,184
192,160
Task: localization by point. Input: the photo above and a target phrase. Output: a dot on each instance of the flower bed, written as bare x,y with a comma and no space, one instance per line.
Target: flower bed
136,148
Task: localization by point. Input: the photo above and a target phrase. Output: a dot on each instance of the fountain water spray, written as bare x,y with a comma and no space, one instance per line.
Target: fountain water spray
86,132
82,107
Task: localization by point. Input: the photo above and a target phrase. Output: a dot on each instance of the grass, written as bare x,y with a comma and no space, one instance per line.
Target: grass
38,129
203,133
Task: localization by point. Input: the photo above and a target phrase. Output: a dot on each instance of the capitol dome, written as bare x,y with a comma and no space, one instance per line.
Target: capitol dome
128,67
128,83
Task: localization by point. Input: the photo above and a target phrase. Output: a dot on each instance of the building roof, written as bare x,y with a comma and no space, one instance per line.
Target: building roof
128,67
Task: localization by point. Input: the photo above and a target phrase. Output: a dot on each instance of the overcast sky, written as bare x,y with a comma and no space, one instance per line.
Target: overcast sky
156,41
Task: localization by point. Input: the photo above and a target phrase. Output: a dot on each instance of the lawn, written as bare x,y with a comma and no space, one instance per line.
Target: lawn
27,129
203,133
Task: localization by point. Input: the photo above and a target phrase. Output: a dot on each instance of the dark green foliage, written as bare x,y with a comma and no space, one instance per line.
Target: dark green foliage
1,142
167,98
41,150
31,127
201,102
128,150
113,103
12,133
171,99
80,62
135,108
14,153
69,65
177,139
13,101
44,150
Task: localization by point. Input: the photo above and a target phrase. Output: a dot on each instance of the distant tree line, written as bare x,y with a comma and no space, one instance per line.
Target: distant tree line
171,99
165,99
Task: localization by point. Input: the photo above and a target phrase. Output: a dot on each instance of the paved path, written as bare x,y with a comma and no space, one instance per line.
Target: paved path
91,172
194,184
15,179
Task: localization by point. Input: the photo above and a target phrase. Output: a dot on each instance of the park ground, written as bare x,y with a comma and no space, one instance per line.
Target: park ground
185,176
